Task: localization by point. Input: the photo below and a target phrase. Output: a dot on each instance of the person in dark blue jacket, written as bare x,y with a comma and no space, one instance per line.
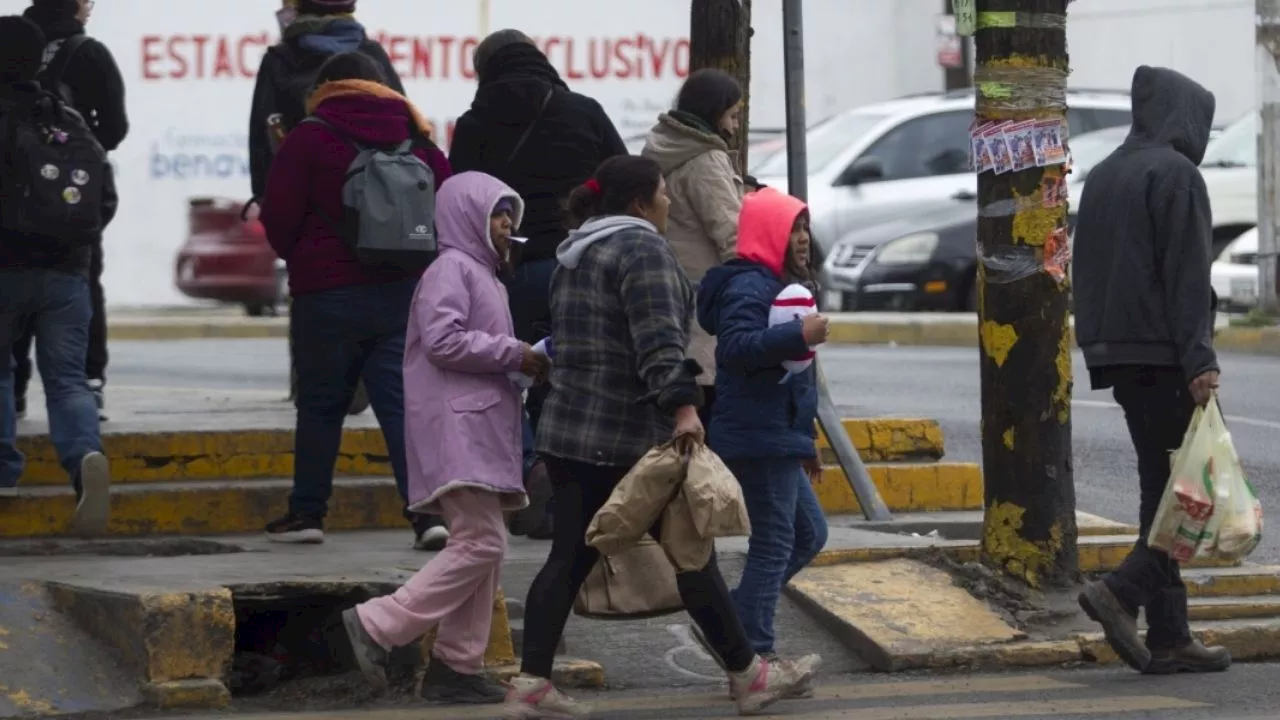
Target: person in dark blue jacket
763,423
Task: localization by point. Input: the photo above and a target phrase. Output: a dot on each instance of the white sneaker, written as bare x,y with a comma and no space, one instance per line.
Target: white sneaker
535,697
765,683
93,510
433,539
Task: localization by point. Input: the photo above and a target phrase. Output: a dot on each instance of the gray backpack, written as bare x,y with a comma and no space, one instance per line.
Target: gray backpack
389,199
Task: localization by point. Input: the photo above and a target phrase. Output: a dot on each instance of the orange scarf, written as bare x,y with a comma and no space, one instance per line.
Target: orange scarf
340,88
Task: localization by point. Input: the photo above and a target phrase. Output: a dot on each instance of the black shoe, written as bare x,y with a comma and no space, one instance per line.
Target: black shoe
1193,658
532,520
296,529
1118,624
20,404
371,657
443,684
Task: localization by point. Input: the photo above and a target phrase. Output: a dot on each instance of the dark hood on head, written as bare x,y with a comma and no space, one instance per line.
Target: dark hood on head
513,85
1170,108
57,18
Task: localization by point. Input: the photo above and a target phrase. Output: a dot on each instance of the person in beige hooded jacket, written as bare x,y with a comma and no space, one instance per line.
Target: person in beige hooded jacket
691,145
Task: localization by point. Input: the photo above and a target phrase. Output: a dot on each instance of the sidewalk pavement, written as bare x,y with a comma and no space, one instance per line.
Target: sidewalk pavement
923,329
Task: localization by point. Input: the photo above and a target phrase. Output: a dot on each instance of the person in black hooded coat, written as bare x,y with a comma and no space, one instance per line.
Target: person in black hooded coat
88,71
528,129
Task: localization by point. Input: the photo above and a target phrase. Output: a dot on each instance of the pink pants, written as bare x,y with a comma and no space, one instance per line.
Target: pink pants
454,590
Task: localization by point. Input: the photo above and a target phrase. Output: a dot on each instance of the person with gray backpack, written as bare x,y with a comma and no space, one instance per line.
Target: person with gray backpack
350,207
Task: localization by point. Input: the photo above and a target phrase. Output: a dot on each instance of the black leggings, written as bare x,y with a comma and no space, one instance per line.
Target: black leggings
580,491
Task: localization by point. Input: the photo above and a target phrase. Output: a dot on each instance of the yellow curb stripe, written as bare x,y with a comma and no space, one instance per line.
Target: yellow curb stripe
907,488
245,454
207,330
1236,582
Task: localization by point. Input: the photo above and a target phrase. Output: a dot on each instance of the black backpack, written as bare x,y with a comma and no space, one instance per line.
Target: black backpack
50,76
54,181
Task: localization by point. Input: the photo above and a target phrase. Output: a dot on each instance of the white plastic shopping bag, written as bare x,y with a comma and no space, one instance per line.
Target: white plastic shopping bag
1237,521
1186,510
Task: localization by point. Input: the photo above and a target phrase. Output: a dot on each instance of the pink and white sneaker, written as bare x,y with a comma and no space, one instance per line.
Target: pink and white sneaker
765,683
534,697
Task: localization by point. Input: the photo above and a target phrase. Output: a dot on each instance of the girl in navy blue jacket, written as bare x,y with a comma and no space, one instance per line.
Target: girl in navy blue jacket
763,423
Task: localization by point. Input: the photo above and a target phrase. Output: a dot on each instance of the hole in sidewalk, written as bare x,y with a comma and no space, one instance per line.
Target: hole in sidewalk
291,647
125,547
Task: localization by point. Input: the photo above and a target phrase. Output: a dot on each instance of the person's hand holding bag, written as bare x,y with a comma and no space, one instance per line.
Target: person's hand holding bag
689,431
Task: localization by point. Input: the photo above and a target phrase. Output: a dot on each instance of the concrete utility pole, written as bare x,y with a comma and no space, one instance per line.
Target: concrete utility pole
1029,528
1268,68
720,37
956,78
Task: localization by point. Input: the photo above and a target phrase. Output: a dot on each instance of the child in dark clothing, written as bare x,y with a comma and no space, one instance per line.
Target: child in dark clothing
763,423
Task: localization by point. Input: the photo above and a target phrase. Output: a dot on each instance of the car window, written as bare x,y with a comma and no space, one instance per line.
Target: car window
1237,146
926,146
1080,121
824,142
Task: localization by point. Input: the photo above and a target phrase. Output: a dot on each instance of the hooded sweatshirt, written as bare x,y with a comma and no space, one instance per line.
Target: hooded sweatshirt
462,413
1144,237
306,45
96,86
571,135
620,311
757,414
308,175
706,196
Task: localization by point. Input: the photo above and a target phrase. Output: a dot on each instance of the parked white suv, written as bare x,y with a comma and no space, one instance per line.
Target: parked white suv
875,162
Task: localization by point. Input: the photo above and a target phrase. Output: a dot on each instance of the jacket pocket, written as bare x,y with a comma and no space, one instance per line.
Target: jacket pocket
475,402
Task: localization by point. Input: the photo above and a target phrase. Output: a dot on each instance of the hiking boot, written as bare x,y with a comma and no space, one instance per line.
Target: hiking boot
443,684
296,529
764,683
1118,624
535,697
370,656
431,539
93,495
1192,658
533,520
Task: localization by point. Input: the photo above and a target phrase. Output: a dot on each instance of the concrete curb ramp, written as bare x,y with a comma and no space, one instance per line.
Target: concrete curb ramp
961,330
901,614
180,642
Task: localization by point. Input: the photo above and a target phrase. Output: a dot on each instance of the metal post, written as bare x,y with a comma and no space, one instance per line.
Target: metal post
873,507
1268,69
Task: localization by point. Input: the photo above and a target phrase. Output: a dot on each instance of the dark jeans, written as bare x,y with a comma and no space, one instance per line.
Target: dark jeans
1158,408
529,296
95,365
341,336
580,491
57,308
788,528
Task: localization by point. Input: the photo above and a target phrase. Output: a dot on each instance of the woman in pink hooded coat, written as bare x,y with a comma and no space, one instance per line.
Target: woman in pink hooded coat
463,437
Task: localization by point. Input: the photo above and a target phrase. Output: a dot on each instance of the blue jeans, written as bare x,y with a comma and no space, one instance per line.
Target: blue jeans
339,337
788,529
57,308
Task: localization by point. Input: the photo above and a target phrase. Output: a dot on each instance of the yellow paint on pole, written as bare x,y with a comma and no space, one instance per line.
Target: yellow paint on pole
1062,394
1003,543
998,340
1009,436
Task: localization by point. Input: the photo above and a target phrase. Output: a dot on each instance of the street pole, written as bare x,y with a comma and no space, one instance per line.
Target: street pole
1268,69
1029,527
873,506
720,37
958,78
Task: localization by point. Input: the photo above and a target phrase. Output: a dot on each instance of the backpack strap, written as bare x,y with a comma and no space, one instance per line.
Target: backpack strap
524,137
62,59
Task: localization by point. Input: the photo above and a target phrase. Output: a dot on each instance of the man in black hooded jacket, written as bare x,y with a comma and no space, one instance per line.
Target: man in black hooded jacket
1144,310
528,129
88,71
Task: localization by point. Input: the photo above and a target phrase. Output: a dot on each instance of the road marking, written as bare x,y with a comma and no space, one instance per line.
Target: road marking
993,710
684,638
1256,422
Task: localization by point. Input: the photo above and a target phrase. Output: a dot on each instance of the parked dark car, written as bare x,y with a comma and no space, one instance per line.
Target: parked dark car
226,258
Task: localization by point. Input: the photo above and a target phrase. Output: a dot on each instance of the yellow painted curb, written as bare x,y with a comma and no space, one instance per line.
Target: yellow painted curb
1252,341
907,488
1105,553
1243,581
500,651
246,454
204,508
200,693
198,329
167,636
853,331
889,439
1241,608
